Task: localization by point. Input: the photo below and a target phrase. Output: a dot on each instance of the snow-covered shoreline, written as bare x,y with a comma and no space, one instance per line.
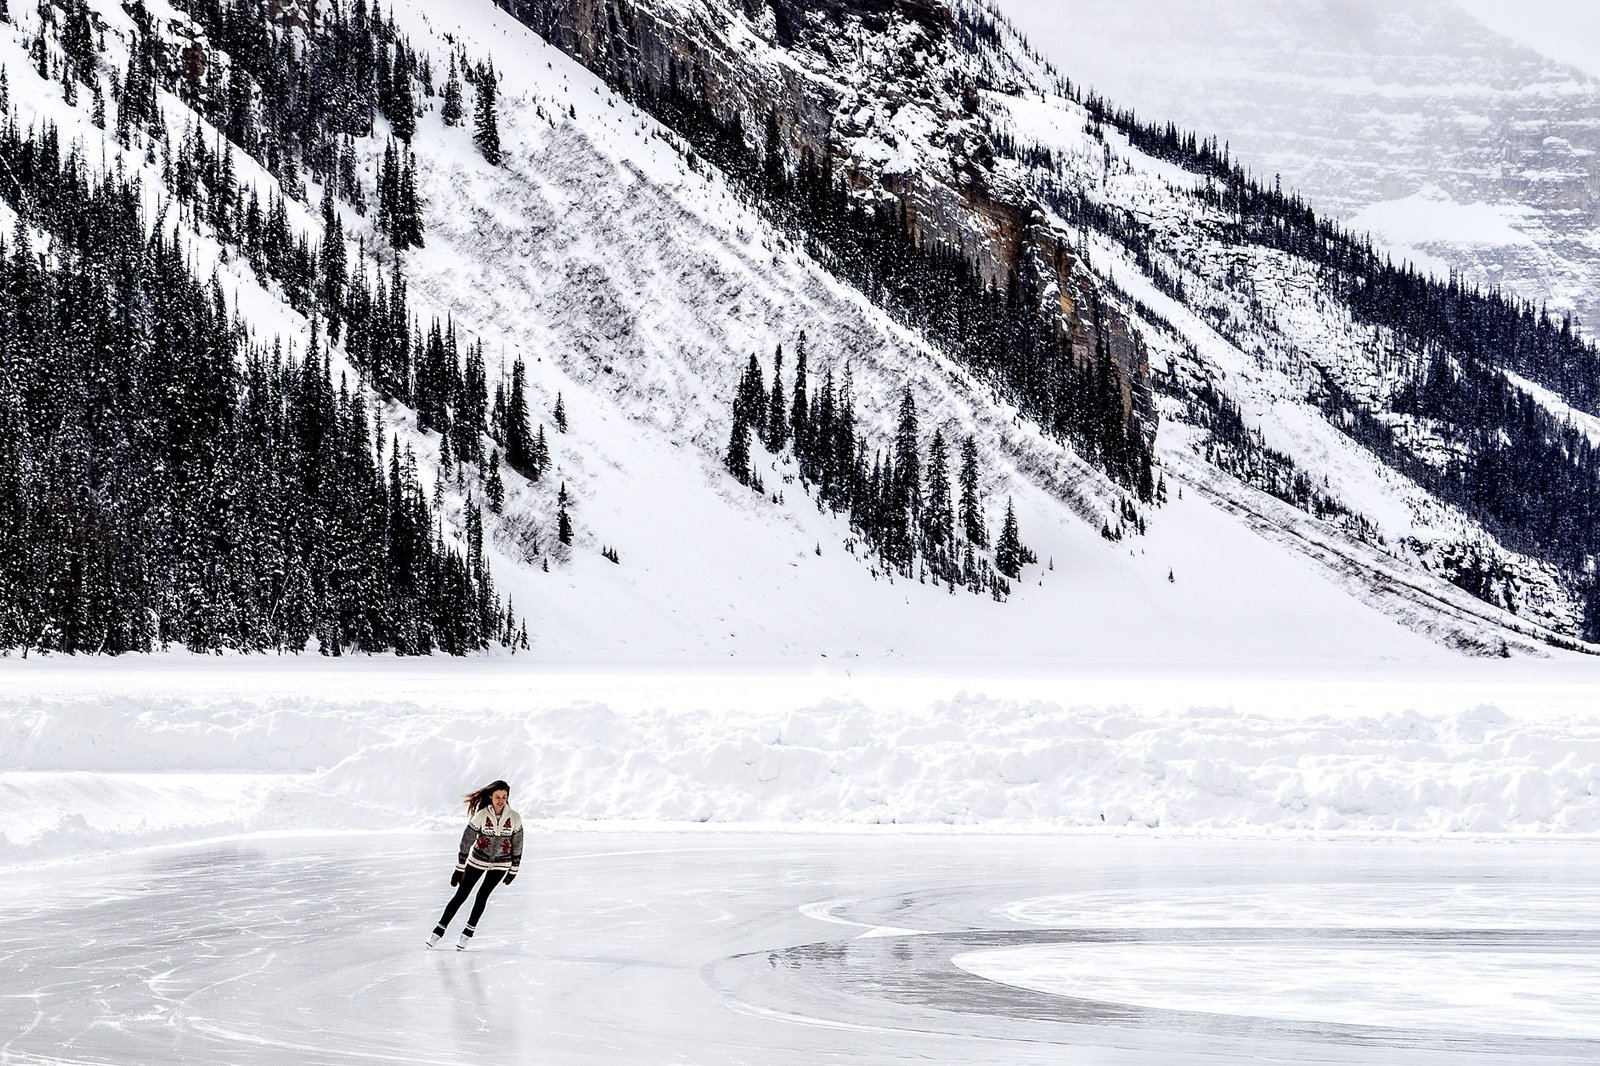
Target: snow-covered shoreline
138,754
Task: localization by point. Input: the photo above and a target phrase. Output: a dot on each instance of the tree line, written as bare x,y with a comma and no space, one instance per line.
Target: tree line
920,516
166,477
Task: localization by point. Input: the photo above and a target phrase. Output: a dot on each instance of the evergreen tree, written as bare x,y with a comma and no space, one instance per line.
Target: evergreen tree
447,462
77,41
737,458
494,489
800,415
497,413
410,211
452,111
1008,551
560,413
333,269
403,108
938,517
906,488
240,124
198,489
777,418
563,521
911,529
973,524
519,441
399,213
842,442
541,450
750,402
486,123
819,438
349,183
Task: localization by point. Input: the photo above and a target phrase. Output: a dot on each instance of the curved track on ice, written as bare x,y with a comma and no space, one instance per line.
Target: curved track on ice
784,949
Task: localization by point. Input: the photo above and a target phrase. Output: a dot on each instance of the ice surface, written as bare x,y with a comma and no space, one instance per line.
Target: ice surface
1453,985
725,948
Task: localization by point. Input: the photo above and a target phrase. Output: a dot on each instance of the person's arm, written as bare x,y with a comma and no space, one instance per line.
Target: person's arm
516,852
468,835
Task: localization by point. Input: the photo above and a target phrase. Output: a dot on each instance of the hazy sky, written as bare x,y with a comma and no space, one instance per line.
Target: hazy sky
1565,30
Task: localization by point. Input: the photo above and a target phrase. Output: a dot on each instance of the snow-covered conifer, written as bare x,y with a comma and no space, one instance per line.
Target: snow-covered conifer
1008,550
494,489
452,112
518,429
974,526
777,415
737,457
486,120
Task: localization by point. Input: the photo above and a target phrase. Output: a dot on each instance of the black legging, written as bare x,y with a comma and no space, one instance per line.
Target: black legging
468,879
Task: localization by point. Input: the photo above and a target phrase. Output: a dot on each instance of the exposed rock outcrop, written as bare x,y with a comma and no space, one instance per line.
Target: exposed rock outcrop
890,92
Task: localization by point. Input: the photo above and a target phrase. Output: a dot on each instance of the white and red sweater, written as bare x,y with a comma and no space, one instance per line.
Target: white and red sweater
491,841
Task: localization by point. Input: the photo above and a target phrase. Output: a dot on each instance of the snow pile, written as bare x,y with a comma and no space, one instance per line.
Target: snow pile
110,771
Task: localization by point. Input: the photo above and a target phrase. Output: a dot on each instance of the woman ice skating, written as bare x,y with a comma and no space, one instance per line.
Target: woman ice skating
491,851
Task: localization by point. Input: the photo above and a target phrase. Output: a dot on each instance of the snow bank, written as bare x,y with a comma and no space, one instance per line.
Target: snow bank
115,771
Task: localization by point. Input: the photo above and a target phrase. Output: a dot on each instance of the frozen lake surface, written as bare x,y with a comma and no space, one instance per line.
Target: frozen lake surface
805,948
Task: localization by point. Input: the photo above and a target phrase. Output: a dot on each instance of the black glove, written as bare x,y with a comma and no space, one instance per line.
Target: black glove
510,877
455,879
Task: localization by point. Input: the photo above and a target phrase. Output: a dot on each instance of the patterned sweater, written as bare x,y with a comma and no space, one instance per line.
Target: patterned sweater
491,841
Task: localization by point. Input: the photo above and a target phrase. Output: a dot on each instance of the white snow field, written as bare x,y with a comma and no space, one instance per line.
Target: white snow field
737,948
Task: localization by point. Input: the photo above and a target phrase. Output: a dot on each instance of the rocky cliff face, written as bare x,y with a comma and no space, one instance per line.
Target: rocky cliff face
889,90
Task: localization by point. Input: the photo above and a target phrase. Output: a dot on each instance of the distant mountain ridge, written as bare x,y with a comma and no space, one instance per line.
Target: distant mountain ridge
1450,128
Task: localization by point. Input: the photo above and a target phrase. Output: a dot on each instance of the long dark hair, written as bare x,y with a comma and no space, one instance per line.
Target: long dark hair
478,799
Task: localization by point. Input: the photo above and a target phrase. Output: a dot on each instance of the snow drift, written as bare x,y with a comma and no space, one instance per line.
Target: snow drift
110,771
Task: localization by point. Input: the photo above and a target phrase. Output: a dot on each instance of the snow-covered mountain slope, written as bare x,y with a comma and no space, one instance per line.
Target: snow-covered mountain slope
640,285
635,280
1461,133
1302,336
1257,325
